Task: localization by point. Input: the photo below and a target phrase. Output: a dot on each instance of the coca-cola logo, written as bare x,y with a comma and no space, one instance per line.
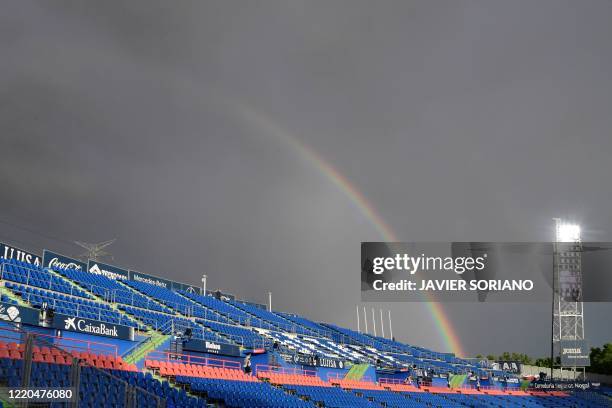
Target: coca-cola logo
56,263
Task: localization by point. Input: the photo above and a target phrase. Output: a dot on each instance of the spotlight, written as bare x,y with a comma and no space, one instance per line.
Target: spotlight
568,233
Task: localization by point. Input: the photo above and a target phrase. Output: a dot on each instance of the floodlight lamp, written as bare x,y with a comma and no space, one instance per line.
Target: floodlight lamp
568,233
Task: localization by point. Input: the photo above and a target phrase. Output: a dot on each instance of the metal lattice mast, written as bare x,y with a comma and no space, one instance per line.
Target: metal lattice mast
95,251
568,312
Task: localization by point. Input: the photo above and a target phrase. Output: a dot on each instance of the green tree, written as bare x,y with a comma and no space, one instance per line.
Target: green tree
520,357
601,359
545,362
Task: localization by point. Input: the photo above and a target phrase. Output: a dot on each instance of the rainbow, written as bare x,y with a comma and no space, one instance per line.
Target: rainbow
443,324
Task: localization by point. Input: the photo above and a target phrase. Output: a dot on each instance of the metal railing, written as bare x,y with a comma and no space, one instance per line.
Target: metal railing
141,343
182,307
171,357
28,350
87,346
337,377
77,308
263,369
48,300
45,282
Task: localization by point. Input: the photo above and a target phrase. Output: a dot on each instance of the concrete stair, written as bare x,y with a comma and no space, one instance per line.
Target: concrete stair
151,343
357,372
96,297
457,380
8,293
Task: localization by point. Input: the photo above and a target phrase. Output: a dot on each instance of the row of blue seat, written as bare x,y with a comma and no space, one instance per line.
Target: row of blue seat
111,290
99,388
242,394
27,274
88,309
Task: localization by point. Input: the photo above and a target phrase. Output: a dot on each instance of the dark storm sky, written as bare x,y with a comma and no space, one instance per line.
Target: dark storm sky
457,120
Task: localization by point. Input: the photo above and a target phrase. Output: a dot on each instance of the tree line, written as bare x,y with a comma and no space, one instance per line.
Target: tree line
601,359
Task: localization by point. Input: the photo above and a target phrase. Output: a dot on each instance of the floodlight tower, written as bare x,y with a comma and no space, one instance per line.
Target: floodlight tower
567,307
95,251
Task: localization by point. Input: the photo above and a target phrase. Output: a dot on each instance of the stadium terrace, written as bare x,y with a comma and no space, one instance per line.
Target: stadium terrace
86,334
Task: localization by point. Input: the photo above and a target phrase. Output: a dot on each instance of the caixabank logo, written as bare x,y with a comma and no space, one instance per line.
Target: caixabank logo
88,326
81,325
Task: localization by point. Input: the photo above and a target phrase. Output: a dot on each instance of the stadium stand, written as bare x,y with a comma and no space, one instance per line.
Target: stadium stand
230,313
275,321
30,275
299,362
169,298
68,304
112,291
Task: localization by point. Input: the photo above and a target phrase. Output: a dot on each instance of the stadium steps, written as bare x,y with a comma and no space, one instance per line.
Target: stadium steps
149,344
309,330
356,372
151,299
224,335
255,317
27,304
172,384
218,333
294,394
525,384
237,323
182,316
150,328
457,380
289,323
9,293
175,313
93,295
5,402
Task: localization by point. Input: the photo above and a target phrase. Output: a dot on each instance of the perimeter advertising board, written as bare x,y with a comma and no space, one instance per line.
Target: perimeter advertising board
89,326
11,252
56,261
109,271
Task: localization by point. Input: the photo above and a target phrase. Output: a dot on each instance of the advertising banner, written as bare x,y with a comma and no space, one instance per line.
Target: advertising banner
18,314
508,366
150,279
57,261
109,271
161,282
564,385
211,347
10,252
574,353
317,361
89,326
